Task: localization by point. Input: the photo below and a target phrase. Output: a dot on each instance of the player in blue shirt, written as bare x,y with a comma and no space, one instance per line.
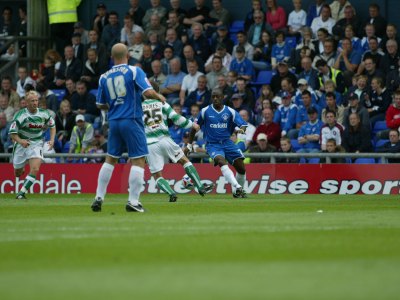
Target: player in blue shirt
120,92
218,122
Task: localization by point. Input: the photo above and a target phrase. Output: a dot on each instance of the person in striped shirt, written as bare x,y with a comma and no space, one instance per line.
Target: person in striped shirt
26,131
162,148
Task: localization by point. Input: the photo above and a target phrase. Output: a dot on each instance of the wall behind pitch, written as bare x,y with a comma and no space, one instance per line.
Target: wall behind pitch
238,8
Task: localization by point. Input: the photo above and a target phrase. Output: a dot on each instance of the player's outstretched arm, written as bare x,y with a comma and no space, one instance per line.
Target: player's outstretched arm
152,94
52,136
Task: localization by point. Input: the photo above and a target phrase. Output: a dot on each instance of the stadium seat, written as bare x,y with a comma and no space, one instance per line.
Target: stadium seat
60,94
263,77
380,143
302,160
379,126
314,160
236,26
233,38
65,149
295,144
93,92
365,160
291,41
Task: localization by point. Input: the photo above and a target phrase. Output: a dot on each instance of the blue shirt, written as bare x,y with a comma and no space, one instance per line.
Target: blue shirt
171,80
302,115
121,88
311,129
218,126
286,116
244,67
280,51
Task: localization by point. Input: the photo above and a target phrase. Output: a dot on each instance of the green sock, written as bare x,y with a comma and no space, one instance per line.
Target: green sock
192,173
29,180
164,186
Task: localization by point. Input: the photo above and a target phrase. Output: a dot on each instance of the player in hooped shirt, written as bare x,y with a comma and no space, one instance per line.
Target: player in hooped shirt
120,91
218,122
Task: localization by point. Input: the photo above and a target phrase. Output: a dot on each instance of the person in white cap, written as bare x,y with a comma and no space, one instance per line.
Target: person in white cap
81,136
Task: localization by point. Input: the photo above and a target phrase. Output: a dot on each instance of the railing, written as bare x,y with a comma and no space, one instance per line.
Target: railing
327,156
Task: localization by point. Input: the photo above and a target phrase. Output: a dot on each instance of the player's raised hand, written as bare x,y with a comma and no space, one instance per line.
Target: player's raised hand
51,144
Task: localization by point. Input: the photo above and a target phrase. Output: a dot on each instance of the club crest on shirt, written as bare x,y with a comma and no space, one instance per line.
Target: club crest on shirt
225,117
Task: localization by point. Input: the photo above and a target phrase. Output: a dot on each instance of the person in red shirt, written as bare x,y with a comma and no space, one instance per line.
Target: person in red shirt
276,16
268,127
393,112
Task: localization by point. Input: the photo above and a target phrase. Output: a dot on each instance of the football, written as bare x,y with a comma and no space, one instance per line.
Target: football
187,183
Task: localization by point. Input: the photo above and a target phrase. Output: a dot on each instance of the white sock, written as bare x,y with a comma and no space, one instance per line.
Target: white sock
241,178
136,180
229,176
103,180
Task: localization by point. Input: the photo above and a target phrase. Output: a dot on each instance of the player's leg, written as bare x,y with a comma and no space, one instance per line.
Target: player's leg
240,168
114,152
164,186
194,175
135,139
34,166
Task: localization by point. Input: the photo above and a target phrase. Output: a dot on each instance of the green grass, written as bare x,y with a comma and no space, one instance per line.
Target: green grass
217,247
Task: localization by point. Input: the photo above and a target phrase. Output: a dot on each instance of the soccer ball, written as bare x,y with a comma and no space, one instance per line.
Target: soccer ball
187,183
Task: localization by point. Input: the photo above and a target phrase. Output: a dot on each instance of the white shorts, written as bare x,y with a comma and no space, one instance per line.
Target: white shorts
21,155
162,152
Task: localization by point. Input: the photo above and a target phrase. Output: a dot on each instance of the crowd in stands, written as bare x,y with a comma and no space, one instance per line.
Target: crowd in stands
313,79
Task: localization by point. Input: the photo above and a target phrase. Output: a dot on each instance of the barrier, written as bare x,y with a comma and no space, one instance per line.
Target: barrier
344,179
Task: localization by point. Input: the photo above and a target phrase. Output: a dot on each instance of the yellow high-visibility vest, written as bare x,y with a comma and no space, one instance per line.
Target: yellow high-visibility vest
78,140
62,11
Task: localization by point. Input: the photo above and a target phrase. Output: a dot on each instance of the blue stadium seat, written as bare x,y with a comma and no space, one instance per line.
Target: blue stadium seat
380,143
60,94
379,126
365,160
66,147
233,38
93,92
263,77
236,26
302,160
314,160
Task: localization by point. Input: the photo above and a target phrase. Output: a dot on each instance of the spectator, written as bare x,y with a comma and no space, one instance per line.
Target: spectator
173,83
369,33
218,16
332,147
189,83
309,133
355,41
172,40
378,101
280,50
217,70
338,9
225,56
70,89
136,11
332,106
376,19
391,34
158,76
347,61
175,22
282,72
136,49
155,44
147,58
275,16
392,146
361,89
245,91
221,38
393,79
227,90
296,56
263,146
197,14
242,65
189,55
176,8
247,137
201,96
156,9
322,36
371,71
80,29
329,73
356,136
297,19
78,46
23,80
238,103
328,54
308,73
287,91
249,20
390,61
93,69
111,32
155,26
199,42
374,52
22,29
262,52
286,147
84,103
129,28
94,43
65,122
268,127
242,41
70,67
314,11
5,141
256,29
51,98
303,107
285,116
81,136
6,108
356,107
6,89
323,21
350,18
331,130
393,112
100,20
266,94
7,26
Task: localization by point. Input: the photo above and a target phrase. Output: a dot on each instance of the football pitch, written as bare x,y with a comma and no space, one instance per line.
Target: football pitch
216,247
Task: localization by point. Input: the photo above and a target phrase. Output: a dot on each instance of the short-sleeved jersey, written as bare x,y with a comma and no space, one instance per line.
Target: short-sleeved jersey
121,88
155,117
30,126
219,125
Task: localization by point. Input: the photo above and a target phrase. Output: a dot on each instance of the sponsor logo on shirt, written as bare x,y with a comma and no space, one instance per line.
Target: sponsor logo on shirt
219,125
